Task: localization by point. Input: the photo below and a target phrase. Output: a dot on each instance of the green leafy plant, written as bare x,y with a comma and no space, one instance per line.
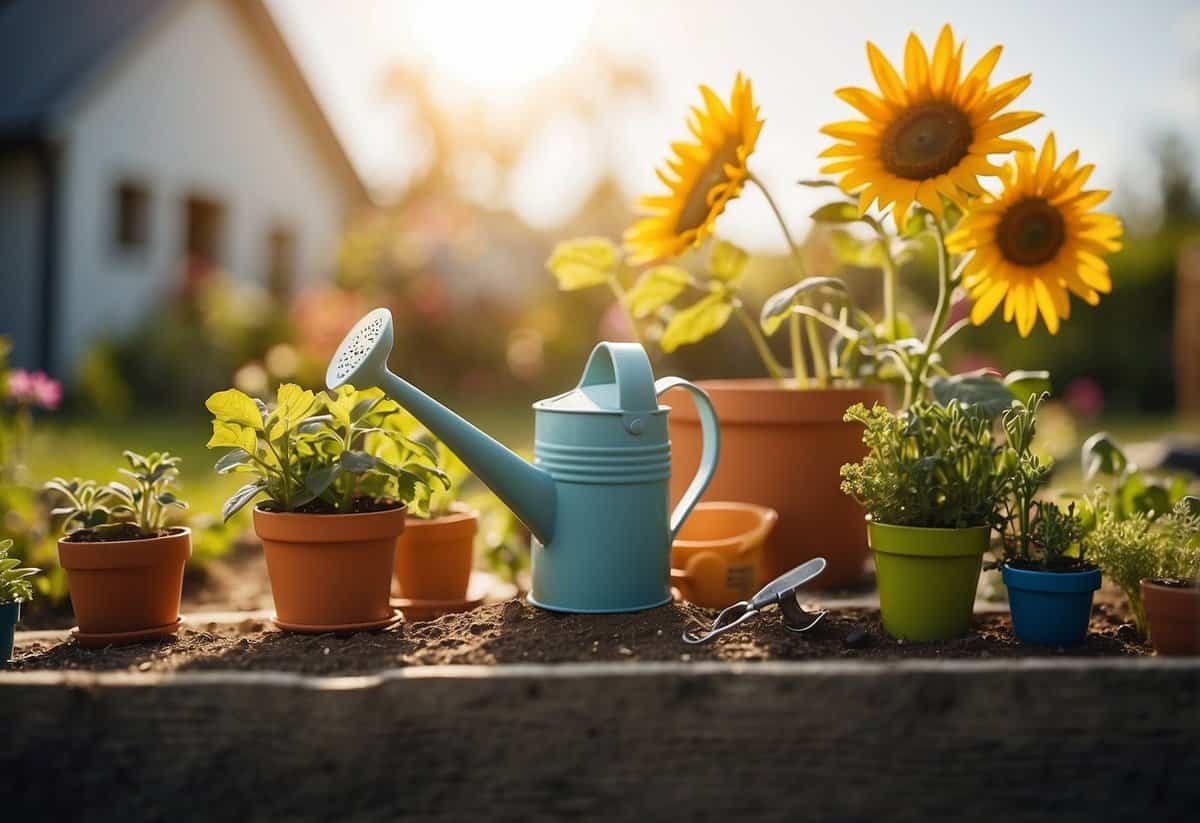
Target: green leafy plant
931,466
1130,490
1137,547
416,445
317,453
137,509
15,583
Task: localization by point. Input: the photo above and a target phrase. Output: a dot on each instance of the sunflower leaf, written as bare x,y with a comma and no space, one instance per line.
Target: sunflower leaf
656,288
728,261
697,321
583,262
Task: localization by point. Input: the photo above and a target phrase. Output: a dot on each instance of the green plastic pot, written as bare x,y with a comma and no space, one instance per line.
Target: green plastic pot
927,578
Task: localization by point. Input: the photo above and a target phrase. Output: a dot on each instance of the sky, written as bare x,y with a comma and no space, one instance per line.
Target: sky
1110,75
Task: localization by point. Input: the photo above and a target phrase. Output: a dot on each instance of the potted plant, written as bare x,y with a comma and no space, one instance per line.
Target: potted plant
436,553
915,161
929,484
1050,582
15,589
1156,562
124,563
333,505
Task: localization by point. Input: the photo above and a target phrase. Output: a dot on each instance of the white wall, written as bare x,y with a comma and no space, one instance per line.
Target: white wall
20,253
191,108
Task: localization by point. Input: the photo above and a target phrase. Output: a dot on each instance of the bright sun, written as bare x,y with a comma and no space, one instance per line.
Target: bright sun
497,48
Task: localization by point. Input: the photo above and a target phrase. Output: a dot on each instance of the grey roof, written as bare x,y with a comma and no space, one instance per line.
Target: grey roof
51,51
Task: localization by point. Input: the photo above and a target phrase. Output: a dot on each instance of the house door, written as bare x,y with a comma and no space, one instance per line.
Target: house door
204,236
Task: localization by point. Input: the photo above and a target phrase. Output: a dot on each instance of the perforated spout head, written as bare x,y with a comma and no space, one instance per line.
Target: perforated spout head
361,359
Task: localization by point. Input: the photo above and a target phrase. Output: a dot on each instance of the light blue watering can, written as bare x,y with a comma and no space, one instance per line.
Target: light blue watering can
596,497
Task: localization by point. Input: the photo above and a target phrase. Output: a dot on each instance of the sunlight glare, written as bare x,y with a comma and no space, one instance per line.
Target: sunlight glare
493,48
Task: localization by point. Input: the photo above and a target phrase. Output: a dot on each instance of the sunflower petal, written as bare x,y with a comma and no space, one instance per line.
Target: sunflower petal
916,68
985,305
885,75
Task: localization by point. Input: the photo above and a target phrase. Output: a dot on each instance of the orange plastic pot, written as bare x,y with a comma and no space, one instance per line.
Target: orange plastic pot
1174,615
330,572
124,591
717,558
434,557
783,449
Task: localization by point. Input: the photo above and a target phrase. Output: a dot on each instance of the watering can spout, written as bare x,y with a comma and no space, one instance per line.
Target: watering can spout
361,360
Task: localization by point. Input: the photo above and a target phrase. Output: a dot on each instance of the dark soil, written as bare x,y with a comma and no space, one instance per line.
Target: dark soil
114,532
1176,582
361,505
513,632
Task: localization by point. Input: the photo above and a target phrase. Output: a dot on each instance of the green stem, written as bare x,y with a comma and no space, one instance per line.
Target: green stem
798,362
619,292
889,288
760,342
916,388
820,366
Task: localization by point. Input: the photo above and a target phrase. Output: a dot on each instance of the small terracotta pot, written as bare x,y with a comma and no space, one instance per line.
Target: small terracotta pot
784,449
717,557
126,590
434,557
330,572
1173,612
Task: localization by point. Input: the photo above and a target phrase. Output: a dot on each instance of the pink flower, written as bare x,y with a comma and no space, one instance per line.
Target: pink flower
20,385
34,389
47,391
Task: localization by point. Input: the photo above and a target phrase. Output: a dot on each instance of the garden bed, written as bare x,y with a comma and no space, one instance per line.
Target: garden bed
514,632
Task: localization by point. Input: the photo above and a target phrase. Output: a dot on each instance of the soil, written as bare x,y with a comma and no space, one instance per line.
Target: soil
1176,582
115,532
360,505
1066,565
514,632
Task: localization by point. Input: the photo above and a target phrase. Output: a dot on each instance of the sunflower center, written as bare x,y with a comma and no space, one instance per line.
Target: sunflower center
1031,232
696,208
926,140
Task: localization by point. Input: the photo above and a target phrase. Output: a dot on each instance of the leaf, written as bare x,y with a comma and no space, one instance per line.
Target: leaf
975,389
914,225
356,462
779,305
320,480
656,288
232,435
1100,454
696,322
583,262
817,184
1024,384
728,261
231,460
293,405
838,211
232,406
853,251
428,474
240,498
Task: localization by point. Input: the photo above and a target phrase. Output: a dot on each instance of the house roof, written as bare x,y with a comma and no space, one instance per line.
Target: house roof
52,52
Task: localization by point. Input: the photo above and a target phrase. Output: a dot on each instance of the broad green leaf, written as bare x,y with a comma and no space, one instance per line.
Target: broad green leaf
983,390
240,498
914,225
728,261
656,288
357,462
293,405
1024,384
779,305
697,321
232,435
583,262
320,480
853,251
838,211
1100,454
232,406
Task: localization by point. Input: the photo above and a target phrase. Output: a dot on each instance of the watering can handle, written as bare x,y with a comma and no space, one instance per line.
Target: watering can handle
710,451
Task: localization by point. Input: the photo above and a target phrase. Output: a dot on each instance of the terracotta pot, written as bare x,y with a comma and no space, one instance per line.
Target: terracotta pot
783,449
330,572
434,557
1174,615
717,557
126,590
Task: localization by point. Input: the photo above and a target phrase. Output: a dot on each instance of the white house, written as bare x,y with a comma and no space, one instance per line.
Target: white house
140,141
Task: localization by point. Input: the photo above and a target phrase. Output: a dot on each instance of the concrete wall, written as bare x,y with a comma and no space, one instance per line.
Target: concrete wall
21,191
191,108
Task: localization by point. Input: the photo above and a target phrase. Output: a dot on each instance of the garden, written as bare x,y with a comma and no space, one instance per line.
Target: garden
845,525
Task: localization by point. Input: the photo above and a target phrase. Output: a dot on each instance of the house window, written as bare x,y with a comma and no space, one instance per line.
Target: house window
204,238
132,229
281,262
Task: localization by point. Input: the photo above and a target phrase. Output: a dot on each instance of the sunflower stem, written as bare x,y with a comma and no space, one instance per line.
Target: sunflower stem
889,288
760,342
799,367
820,367
915,390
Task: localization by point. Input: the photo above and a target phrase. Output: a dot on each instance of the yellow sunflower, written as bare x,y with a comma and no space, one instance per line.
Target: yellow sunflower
702,177
1036,241
929,134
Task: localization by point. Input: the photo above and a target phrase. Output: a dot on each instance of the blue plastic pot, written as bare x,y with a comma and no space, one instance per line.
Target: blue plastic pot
1050,608
10,613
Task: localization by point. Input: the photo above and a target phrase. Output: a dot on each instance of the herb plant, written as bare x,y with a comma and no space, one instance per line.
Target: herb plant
15,585
418,445
930,466
315,453
1130,490
133,510
1137,547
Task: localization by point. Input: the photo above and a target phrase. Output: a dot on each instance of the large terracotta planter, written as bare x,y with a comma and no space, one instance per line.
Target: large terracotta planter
1173,611
124,591
433,563
783,449
330,572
